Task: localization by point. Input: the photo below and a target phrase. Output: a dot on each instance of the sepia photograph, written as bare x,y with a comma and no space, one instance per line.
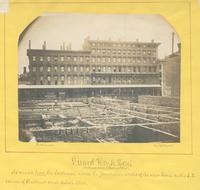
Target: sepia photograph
100,78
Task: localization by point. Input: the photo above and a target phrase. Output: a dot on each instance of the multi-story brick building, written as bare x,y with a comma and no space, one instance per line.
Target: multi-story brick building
104,65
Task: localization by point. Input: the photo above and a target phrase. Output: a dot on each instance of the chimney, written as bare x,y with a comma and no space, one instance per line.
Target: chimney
172,42
24,72
44,45
152,41
137,40
63,45
29,44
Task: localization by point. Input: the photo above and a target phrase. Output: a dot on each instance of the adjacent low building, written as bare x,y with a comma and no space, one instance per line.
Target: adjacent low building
171,74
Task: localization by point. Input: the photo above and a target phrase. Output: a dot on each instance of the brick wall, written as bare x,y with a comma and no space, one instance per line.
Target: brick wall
160,100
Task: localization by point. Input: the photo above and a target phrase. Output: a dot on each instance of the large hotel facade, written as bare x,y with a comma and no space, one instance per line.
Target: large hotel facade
117,68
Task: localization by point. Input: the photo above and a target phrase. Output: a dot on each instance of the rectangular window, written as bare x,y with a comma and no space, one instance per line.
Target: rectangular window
34,58
41,68
62,79
138,52
81,59
68,68
75,68
75,80
49,69
55,58
56,80
99,69
75,59
62,58
82,80
48,80
81,69
34,69
93,79
62,69
68,79
48,58
41,80
138,60
88,80
87,59
55,68
41,58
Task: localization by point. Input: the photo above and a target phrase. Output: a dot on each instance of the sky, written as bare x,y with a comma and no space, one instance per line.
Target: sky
56,28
